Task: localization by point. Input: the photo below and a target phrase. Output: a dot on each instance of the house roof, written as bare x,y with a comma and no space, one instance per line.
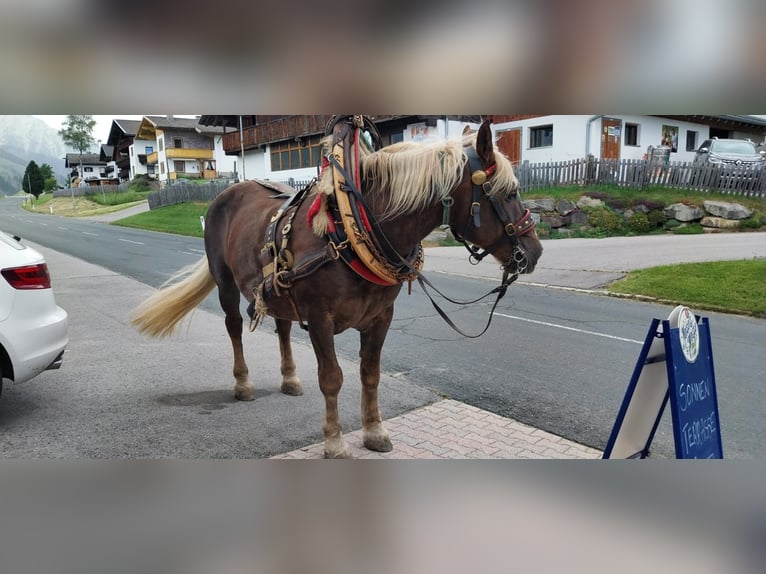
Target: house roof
106,152
727,121
73,159
149,124
128,127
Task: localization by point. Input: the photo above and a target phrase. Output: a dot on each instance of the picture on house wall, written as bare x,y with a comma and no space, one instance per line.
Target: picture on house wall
670,137
421,132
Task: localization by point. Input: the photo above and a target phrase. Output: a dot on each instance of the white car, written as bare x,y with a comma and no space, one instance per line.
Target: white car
33,328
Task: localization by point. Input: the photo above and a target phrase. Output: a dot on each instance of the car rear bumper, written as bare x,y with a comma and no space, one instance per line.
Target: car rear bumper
40,345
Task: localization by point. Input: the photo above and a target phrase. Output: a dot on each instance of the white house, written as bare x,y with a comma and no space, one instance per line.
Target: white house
553,138
86,168
138,151
173,148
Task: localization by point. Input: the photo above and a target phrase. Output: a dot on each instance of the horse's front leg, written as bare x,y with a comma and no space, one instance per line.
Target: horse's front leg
374,435
322,333
291,384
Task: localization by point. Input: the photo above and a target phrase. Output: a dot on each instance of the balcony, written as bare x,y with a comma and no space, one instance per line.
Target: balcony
188,153
281,128
151,158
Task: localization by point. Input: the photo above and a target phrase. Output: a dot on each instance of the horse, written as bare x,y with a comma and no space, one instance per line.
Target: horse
408,189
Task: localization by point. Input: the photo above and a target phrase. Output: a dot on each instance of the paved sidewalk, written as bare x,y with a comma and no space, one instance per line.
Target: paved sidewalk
450,429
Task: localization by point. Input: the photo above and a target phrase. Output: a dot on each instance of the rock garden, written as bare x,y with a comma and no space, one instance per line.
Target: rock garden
601,214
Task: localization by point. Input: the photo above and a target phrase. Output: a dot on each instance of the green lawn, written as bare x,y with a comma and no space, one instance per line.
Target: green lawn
729,286
182,219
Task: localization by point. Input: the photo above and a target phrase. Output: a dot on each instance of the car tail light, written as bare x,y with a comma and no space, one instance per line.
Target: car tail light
28,277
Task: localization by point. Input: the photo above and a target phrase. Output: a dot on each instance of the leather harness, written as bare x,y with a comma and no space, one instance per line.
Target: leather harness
354,234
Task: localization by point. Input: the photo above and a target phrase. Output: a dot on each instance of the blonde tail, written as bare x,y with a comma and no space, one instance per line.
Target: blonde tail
160,313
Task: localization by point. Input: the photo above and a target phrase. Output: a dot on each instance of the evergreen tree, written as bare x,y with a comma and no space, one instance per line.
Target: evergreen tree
77,132
33,180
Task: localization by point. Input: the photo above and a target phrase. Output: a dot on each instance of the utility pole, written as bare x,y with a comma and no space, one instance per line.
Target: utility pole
242,147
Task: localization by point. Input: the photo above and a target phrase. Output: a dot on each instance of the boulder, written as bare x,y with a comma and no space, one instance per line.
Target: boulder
577,218
641,208
555,221
539,205
683,212
719,222
727,210
586,201
565,207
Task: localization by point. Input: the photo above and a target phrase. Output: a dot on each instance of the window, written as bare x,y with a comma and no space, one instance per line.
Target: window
88,169
148,149
160,142
162,167
295,154
541,136
131,151
178,142
179,166
631,134
691,140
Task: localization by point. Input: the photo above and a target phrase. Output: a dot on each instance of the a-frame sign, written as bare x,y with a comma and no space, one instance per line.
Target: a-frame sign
676,363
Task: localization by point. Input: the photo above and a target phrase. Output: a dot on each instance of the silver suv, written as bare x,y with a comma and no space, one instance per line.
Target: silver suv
728,153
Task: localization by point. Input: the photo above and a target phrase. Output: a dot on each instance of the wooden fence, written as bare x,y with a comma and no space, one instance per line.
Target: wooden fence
90,190
182,192
639,174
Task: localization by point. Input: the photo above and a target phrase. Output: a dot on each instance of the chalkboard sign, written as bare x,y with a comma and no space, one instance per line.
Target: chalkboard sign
693,400
676,363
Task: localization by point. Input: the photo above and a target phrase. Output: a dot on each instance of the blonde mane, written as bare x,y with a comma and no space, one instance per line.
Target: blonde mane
415,175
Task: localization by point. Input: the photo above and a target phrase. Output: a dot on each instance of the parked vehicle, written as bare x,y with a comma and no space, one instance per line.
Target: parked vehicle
735,160
730,153
33,328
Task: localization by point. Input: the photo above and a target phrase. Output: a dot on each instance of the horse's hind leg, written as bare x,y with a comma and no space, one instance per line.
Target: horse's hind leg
374,435
291,384
330,374
229,297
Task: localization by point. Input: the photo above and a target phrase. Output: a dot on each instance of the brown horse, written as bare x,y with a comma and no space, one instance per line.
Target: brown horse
410,188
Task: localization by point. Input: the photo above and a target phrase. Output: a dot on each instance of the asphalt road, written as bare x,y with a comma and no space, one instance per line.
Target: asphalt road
556,359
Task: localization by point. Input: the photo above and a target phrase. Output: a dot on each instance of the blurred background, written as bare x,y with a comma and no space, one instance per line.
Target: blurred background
656,56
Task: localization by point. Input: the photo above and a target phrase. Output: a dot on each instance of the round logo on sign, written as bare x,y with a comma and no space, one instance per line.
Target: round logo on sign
688,332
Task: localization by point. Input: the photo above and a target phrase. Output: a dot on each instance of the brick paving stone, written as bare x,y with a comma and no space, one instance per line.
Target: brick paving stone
454,430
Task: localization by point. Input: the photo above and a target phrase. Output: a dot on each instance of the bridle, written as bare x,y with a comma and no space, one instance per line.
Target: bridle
481,188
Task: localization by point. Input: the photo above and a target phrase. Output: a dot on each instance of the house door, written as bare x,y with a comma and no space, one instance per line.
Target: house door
611,138
509,143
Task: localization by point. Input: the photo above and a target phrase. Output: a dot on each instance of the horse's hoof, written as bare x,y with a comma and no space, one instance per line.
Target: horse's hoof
378,443
247,394
345,454
292,388
336,448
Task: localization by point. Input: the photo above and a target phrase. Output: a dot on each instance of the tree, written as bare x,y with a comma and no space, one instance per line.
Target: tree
33,180
77,133
49,178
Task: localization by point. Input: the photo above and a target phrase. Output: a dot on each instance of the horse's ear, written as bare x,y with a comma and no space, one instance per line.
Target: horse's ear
484,145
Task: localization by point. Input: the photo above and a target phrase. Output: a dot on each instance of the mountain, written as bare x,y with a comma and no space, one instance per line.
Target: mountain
23,139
